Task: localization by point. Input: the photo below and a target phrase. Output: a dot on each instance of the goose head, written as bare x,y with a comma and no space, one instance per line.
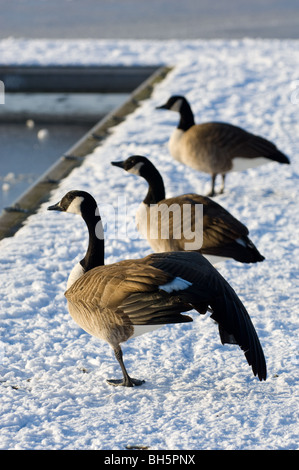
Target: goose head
179,104
76,202
82,203
174,103
141,166
136,164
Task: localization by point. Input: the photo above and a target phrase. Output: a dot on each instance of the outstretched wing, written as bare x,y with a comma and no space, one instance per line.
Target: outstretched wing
208,287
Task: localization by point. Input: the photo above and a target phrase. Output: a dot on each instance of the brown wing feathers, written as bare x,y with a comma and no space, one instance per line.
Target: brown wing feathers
155,308
237,142
220,230
132,289
235,325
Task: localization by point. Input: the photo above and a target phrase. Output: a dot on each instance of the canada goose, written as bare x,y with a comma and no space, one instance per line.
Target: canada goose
122,300
221,236
216,147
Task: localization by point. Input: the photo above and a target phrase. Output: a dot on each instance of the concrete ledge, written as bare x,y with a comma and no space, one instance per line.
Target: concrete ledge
13,218
74,79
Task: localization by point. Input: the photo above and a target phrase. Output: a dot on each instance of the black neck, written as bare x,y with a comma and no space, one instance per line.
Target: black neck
156,190
95,251
187,117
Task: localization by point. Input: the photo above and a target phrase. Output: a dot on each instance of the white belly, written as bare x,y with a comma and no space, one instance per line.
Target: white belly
215,259
240,163
142,329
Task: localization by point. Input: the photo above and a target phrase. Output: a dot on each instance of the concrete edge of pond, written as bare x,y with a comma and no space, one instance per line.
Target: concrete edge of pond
73,79
12,218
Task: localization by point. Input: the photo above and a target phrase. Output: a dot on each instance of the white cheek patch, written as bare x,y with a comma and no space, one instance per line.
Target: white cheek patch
75,205
177,105
177,284
135,170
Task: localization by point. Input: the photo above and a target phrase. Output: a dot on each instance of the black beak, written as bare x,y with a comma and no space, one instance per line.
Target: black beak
119,164
55,207
164,106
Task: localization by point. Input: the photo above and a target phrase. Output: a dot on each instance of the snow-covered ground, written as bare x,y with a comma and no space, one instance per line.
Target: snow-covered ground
198,394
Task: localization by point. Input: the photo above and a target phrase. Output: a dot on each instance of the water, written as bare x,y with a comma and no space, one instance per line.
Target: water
27,153
37,129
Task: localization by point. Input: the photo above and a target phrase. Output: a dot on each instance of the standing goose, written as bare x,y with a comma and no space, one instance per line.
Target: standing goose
216,147
122,300
219,235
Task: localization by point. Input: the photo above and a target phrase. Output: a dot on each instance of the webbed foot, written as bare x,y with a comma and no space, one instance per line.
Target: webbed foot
125,383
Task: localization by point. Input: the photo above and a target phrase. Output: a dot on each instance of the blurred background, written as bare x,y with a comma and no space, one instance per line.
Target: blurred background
157,19
36,129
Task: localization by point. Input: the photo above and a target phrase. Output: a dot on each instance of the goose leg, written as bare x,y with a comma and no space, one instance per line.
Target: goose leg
127,381
212,192
223,184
